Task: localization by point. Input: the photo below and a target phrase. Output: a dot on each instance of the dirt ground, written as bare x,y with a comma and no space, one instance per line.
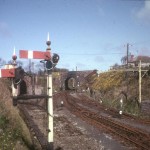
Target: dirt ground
71,133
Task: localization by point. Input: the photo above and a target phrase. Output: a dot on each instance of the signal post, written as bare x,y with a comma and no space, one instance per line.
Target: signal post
50,62
17,74
15,88
50,99
10,72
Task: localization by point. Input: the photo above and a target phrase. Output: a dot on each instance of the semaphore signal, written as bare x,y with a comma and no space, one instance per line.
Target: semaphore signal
9,70
17,75
7,73
34,54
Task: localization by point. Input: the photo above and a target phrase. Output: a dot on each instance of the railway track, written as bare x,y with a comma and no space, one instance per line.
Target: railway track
113,112
128,133
34,113
35,117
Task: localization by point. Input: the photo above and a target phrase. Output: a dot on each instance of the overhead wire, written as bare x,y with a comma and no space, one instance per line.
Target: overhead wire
90,54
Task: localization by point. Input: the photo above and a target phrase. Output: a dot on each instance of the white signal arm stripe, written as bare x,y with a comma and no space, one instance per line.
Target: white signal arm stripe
30,54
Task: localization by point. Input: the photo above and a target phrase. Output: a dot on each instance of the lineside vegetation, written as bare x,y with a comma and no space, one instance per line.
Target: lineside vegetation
110,87
14,134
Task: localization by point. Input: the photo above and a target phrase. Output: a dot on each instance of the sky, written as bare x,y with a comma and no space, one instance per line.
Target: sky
87,34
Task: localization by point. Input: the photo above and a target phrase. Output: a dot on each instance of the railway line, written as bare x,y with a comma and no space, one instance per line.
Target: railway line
112,112
35,116
126,132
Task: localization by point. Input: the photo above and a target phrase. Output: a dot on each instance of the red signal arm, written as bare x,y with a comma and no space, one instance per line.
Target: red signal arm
34,54
5,73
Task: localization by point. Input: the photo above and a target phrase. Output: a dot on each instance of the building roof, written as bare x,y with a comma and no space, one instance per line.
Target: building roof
145,59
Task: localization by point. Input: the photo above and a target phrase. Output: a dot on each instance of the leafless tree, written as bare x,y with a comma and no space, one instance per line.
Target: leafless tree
2,62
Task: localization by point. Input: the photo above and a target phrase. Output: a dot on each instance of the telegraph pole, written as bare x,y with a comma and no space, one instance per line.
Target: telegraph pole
128,45
127,53
140,79
127,66
127,63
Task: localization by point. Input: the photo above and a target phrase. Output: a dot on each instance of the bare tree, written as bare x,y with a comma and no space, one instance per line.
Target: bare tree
19,63
124,60
2,62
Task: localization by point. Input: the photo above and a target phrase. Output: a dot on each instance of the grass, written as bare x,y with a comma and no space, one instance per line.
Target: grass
8,136
111,87
14,134
130,107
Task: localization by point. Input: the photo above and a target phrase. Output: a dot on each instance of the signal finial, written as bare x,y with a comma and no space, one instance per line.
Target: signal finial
48,37
48,42
14,57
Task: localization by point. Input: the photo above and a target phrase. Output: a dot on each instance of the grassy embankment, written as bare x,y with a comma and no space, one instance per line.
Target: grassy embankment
111,87
14,134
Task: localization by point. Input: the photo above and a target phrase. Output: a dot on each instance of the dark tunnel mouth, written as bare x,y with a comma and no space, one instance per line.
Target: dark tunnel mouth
23,87
67,87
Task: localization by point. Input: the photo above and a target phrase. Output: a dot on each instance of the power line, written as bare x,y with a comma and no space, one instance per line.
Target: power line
89,54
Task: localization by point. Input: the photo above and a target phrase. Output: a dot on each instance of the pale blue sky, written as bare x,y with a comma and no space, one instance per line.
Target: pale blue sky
89,34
